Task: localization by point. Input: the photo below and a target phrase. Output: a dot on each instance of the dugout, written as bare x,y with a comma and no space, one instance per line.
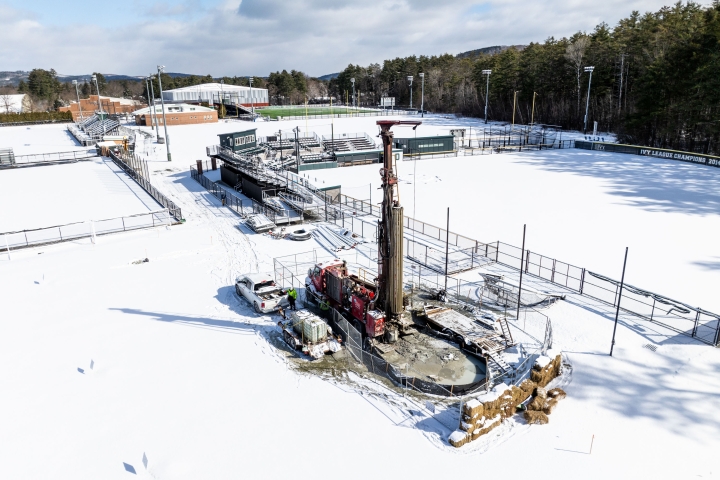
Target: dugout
426,145
363,157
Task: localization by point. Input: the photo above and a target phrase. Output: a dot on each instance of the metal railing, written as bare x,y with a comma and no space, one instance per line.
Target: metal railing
137,168
56,157
74,231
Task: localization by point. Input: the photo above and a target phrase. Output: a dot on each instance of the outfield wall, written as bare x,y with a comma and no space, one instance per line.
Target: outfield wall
690,157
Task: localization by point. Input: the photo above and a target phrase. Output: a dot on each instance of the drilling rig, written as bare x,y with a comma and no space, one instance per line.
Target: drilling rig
375,305
390,237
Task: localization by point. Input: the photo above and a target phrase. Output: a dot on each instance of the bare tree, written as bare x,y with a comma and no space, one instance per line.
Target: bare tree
574,53
6,102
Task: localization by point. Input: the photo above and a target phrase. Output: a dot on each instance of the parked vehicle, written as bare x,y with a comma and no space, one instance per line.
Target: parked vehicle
261,291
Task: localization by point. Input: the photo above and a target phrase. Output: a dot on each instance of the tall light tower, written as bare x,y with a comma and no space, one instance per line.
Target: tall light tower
352,80
422,94
252,103
222,97
487,91
587,103
102,119
410,79
153,113
77,92
162,101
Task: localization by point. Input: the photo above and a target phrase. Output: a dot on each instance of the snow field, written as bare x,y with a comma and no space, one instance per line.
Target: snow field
31,139
50,195
184,371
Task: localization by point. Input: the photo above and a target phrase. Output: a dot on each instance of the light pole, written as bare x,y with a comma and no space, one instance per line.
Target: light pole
410,79
77,92
94,78
153,113
352,80
587,103
162,101
487,91
422,94
252,103
222,98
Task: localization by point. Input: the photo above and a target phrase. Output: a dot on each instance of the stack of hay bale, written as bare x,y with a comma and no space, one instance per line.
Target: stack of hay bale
479,418
544,370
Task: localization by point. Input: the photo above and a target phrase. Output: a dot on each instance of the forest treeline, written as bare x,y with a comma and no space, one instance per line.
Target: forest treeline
656,81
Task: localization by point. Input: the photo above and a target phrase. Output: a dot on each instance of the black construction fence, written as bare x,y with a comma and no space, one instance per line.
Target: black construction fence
137,168
678,316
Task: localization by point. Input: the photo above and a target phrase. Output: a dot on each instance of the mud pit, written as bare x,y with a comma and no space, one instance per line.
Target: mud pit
438,359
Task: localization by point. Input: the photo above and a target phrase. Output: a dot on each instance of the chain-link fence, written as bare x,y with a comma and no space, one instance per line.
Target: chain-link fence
78,230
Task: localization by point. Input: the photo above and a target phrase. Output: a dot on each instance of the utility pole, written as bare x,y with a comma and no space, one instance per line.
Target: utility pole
514,103
487,91
352,80
422,94
617,311
410,79
532,116
622,67
522,267
252,102
102,119
162,101
153,113
587,103
77,92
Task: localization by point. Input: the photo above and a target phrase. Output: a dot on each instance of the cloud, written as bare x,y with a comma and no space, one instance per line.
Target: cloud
255,37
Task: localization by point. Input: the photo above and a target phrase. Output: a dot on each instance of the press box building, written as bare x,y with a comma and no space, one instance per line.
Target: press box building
212,93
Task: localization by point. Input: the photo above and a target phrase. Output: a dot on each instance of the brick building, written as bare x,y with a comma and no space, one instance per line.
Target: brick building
176,114
111,105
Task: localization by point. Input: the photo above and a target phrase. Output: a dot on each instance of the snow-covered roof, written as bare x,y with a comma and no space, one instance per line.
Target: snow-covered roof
212,87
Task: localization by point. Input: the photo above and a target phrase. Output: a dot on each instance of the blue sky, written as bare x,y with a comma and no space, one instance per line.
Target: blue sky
255,37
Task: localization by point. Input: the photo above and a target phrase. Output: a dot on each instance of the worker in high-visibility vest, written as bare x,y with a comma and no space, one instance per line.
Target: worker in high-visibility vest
324,308
292,297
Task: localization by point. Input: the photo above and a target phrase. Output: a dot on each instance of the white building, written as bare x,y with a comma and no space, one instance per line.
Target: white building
15,103
213,92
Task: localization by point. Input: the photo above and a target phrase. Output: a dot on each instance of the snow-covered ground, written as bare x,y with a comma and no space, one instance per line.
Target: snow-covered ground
37,197
32,139
184,371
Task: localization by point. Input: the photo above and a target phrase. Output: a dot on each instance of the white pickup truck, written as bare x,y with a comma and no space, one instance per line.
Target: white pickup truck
260,290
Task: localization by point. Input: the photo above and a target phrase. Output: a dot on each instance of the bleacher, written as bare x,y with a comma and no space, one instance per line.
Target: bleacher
348,142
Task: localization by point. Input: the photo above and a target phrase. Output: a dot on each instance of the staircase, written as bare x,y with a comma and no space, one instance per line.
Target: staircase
498,364
505,328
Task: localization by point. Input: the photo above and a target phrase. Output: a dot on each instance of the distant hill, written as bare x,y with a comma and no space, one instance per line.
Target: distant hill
13,78
489,51
329,76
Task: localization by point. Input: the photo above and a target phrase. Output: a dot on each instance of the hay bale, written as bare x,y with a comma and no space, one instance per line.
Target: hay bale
541,392
550,406
467,427
537,404
458,438
528,386
535,376
557,393
473,408
535,418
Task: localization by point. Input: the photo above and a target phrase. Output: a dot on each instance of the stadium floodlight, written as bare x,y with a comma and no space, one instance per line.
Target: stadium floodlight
587,101
410,80
102,120
153,112
160,69
352,80
487,90
422,94
75,82
252,102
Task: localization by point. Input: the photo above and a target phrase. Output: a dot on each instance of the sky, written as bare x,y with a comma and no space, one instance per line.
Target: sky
255,37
